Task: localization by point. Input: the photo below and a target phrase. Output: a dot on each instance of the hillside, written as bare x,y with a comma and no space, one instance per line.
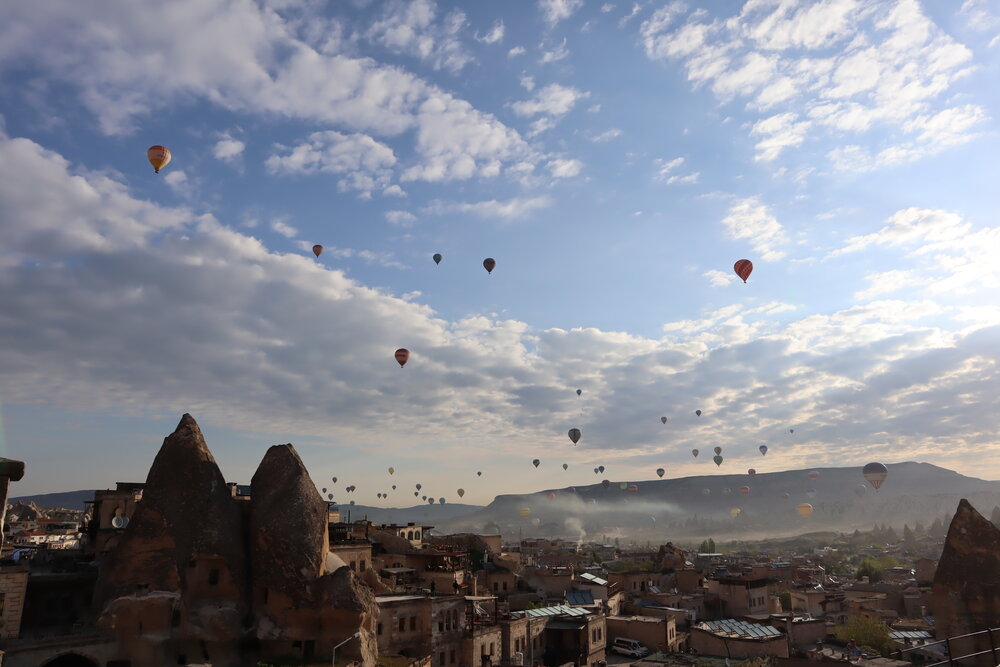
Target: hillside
73,500
696,507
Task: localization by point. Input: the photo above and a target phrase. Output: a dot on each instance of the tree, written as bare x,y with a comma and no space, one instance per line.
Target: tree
594,558
909,540
867,632
711,545
870,569
786,600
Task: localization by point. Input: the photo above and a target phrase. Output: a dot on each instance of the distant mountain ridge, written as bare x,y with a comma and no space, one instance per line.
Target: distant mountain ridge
696,507
74,500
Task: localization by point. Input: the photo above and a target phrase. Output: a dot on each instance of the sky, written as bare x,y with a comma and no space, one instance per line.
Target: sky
614,158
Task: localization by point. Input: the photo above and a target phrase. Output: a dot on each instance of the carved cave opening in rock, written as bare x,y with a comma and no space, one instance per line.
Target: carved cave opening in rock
71,660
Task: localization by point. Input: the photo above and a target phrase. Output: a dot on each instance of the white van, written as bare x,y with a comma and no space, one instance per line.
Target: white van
629,647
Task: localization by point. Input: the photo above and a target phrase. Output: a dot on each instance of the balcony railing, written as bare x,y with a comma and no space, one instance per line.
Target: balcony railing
953,659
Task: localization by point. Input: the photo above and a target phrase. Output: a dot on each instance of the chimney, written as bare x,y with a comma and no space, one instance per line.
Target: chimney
10,471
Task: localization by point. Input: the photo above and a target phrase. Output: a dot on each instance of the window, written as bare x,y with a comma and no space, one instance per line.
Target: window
441,628
416,535
378,629
361,565
451,656
496,587
213,576
505,585
2,596
441,658
491,648
402,624
354,566
413,622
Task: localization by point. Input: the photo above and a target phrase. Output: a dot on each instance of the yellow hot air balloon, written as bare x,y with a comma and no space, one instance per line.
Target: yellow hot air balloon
392,470
735,512
525,512
804,510
158,156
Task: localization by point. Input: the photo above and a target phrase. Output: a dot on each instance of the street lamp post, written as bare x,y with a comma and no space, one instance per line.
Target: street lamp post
333,653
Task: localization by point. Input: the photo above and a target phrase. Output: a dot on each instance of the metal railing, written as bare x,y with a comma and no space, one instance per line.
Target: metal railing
952,659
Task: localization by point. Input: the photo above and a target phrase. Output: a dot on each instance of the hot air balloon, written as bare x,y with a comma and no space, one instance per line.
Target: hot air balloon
402,356
423,497
875,473
861,490
551,496
352,503
813,475
735,512
791,430
418,487
317,250
416,493
811,493
622,485
717,450
786,495
565,466
600,468
804,510
489,263
726,491
605,484
324,489
694,452
479,473
751,472
441,501
717,459
437,258
743,268
663,420
574,435
596,471
330,496
745,490
525,512
633,488
706,492
697,413
334,479
660,472
579,392
378,495
158,156
393,487
430,501
763,450
535,463
391,470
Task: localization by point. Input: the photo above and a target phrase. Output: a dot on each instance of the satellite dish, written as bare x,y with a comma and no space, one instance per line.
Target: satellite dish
119,521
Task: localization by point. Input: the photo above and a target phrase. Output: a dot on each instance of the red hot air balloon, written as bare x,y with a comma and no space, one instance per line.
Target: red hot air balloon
402,356
489,264
317,250
743,268
745,490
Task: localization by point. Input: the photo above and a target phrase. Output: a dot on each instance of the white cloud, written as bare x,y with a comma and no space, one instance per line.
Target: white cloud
887,282
409,27
555,54
607,7
845,65
400,218
636,8
228,149
555,11
495,34
718,278
283,228
527,82
606,136
552,100
666,171
178,181
394,191
749,219
516,51
363,163
510,209
565,168
247,59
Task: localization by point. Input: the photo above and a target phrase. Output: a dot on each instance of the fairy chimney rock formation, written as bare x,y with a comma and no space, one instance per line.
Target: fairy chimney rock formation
967,581
185,536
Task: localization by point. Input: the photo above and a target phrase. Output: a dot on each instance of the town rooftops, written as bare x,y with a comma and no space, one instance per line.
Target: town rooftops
555,610
909,634
739,629
579,598
594,579
389,599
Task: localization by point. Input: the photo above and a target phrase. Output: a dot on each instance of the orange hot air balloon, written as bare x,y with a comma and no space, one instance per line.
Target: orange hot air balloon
489,264
743,268
317,250
402,356
158,156
804,510
745,490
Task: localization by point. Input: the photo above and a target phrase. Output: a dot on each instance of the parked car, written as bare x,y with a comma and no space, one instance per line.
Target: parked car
630,647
